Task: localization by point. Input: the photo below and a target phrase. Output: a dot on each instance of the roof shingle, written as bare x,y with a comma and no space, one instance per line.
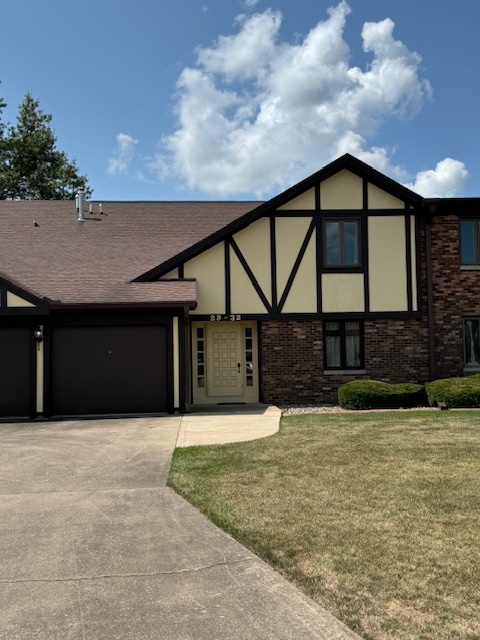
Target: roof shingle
94,262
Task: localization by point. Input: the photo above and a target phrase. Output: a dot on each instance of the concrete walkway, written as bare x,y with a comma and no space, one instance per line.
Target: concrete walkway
219,425
95,546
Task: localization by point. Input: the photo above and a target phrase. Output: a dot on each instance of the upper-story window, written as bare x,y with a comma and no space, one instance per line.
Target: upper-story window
342,247
470,241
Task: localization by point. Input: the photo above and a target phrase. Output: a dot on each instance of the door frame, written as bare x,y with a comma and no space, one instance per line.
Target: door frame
201,359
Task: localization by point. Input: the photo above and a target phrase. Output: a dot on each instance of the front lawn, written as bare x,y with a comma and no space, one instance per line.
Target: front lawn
374,515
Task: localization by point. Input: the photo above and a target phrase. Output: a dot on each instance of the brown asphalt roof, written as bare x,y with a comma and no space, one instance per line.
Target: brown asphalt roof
93,262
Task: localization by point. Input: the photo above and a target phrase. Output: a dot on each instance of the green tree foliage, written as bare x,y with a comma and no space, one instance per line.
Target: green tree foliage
31,166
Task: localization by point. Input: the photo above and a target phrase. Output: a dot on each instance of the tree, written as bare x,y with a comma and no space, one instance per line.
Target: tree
31,166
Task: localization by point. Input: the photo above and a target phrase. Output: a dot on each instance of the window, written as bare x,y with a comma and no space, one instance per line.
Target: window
200,368
471,341
470,241
342,243
343,345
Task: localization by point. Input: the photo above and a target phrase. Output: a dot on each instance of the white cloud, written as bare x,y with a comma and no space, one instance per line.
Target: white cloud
250,4
447,180
122,155
255,114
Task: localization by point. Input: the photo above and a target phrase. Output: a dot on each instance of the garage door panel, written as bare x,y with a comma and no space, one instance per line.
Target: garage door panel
15,372
109,370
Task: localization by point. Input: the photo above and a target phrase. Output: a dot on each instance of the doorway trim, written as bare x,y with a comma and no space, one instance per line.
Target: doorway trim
203,359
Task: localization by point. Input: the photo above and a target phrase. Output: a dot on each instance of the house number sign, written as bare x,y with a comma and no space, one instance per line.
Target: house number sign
234,317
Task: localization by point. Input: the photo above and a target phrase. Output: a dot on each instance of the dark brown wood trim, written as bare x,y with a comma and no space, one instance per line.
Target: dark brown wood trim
260,361
418,264
297,264
178,304
7,285
251,276
408,258
33,372
170,369
22,311
430,307
365,194
357,315
273,263
228,278
319,258
317,197
365,258
295,213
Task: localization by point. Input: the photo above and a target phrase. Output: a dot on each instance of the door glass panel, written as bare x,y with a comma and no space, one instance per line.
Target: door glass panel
200,372
249,372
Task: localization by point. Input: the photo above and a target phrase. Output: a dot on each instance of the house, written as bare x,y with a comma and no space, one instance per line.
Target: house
150,307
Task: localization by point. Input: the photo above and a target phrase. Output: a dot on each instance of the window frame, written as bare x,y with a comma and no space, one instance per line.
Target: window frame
342,219
343,346
476,240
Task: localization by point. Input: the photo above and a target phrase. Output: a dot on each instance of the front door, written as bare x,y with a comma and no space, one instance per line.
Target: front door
224,362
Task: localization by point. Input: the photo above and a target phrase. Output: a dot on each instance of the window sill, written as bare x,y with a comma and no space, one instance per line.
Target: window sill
470,267
344,372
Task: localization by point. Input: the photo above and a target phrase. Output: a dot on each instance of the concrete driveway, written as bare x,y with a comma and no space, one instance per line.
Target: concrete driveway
93,545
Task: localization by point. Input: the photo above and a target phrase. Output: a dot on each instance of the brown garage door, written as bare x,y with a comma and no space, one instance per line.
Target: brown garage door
104,370
15,373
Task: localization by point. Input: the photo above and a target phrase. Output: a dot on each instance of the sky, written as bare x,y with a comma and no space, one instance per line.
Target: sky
241,99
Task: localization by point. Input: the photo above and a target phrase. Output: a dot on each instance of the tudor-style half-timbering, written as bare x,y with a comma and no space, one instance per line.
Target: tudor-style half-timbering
338,250
342,247
346,275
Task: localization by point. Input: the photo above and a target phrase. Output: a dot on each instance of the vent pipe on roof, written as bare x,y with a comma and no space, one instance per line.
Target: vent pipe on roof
80,200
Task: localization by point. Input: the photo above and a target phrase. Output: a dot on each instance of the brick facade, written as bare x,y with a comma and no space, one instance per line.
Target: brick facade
292,358
456,295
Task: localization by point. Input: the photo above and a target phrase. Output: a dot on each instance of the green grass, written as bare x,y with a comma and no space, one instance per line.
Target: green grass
375,516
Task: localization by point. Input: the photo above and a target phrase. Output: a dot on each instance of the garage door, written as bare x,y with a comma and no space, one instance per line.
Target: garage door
102,370
15,373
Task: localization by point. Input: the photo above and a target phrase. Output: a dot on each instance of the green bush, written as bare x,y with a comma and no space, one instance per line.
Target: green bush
455,392
372,394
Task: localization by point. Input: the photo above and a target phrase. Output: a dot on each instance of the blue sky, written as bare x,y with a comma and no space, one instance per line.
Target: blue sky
240,99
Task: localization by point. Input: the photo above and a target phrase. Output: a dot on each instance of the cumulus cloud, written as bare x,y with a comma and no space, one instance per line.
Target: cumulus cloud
256,114
250,4
122,154
447,180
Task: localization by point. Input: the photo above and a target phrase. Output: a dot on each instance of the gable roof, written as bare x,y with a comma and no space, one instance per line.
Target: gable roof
114,257
345,162
67,262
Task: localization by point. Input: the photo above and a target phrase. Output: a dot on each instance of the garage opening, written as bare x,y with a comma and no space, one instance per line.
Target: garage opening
109,370
16,386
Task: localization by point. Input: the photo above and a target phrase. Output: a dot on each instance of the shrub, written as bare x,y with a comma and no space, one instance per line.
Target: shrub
372,394
455,392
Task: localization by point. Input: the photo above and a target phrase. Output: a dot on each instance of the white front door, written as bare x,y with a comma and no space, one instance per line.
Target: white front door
224,362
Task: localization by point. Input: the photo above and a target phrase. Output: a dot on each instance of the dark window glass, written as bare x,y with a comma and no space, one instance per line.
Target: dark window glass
471,332
343,345
470,241
332,236
342,243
